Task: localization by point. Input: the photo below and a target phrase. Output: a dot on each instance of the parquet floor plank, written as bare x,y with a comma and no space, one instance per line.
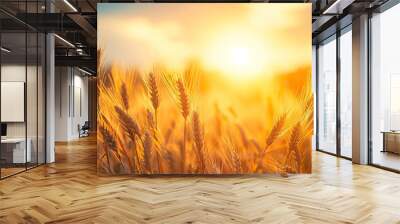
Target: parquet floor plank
70,191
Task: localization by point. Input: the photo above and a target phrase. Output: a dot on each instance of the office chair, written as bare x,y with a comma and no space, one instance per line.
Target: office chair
84,130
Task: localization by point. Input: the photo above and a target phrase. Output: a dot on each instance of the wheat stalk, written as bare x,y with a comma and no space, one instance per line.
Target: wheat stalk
256,145
218,120
154,131
236,159
107,79
150,119
309,103
198,140
132,128
168,134
154,95
108,141
183,99
147,150
275,132
243,135
168,156
293,146
130,125
152,127
110,144
151,124
124,96
185,110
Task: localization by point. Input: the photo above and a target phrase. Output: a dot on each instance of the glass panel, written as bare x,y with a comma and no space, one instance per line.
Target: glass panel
385,93
32,87
23,90
346,94
327,96
314,77
13,90
41,98
31,97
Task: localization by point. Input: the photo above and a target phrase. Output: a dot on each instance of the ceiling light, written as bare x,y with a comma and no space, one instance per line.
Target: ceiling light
337,7
64,40
5,50
84,71
70,5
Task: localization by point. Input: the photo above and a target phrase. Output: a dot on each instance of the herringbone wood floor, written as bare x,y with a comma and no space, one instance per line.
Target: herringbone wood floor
69,191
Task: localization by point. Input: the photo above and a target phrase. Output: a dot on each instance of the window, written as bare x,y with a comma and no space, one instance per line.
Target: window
327,95
385,89
346,92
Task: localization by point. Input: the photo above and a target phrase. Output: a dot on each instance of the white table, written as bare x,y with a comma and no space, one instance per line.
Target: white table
18,144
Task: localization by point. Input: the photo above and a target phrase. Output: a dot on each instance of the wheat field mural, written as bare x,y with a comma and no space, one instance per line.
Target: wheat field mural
179,97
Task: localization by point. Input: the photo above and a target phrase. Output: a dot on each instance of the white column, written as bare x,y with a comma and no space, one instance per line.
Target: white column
50,99
50,92
360,89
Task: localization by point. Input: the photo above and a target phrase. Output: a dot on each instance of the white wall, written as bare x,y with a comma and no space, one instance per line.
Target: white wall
16,73
12,73
71,94
61,103
81,103
33,127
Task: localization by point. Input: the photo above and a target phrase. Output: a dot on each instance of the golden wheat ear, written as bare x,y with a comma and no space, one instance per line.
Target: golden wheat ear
275,131
153,90
274,134
154,95
110,145
127,122
183,99
124,96
185,110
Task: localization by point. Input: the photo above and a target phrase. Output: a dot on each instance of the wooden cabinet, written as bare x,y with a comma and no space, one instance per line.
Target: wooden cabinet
391,142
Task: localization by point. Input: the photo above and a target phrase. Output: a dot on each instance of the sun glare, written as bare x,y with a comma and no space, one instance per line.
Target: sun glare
238,56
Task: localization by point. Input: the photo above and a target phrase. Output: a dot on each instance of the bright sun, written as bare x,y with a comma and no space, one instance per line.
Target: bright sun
240,58
237,56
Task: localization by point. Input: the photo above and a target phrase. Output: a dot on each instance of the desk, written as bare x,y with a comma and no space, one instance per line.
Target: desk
391,141
13,150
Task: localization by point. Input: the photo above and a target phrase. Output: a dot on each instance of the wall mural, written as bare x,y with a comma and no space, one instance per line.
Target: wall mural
204,88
